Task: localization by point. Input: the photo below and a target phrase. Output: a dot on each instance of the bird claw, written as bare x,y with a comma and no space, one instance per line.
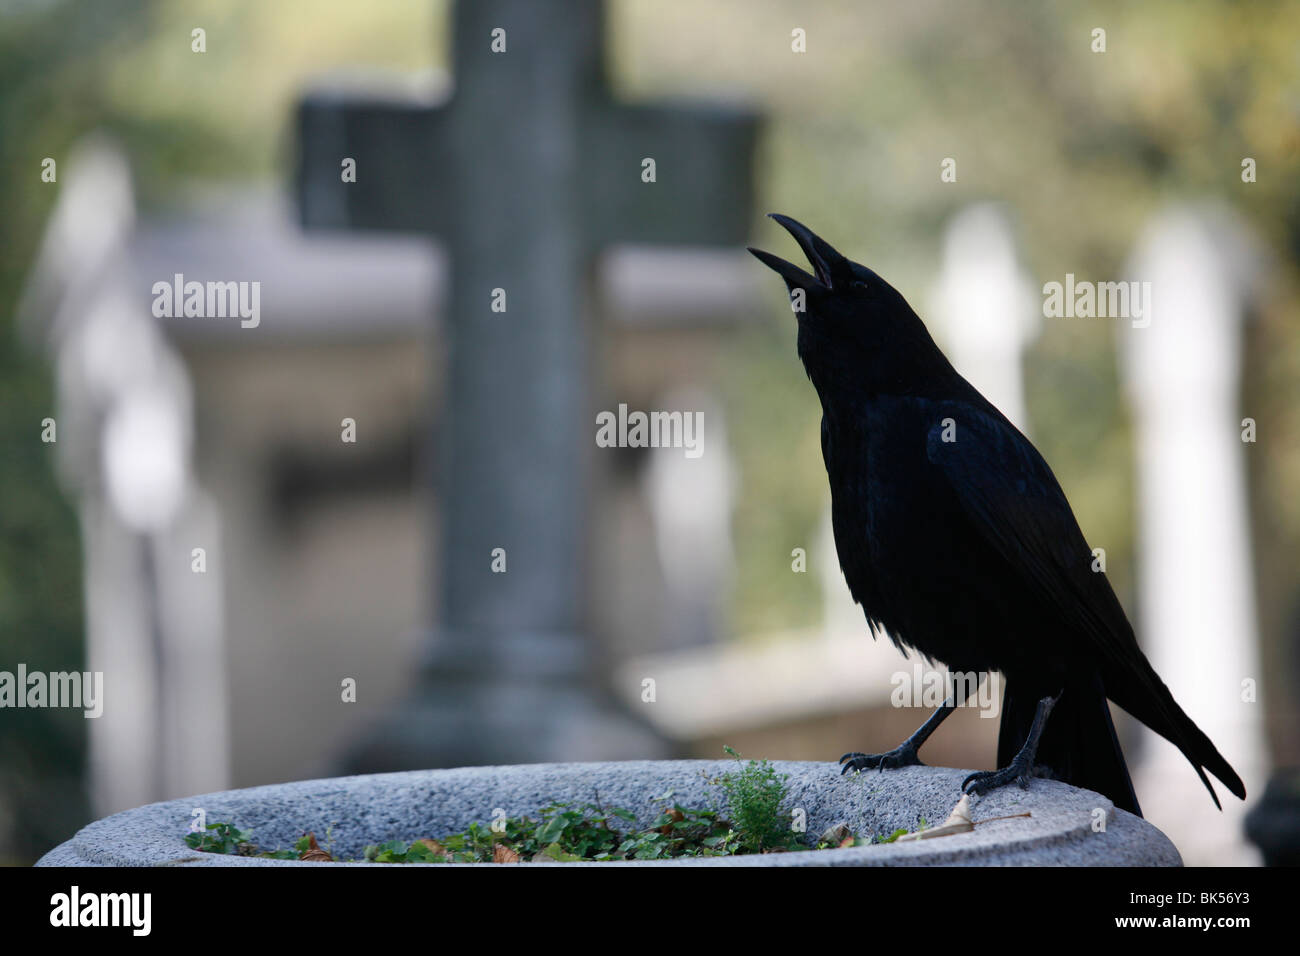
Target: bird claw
982,781
903,756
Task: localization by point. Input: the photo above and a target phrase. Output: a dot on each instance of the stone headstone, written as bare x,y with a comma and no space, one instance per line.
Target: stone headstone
154,626
529,169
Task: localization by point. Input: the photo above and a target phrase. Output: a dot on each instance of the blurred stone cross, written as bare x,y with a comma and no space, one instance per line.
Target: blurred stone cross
528,170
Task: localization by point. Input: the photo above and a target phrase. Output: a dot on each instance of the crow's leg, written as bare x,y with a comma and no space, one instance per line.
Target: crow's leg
1021,767
904,755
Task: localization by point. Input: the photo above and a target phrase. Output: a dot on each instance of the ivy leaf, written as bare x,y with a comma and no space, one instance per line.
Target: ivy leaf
552,830
555,852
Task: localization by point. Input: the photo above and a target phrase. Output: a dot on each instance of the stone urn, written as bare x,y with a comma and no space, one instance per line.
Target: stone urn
1046,824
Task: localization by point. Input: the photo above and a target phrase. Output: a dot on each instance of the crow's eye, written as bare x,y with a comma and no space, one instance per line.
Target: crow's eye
859,285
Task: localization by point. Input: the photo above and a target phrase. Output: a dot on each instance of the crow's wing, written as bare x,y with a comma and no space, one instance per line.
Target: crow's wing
1015,504
1013,501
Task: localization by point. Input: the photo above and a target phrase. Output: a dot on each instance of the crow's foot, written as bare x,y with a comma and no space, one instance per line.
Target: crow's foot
1021,767
1018,771
901,756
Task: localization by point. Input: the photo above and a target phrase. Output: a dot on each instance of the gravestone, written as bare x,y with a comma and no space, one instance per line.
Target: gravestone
690,505
528,170
153,619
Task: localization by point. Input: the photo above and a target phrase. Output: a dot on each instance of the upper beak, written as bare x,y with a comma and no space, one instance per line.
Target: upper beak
821,255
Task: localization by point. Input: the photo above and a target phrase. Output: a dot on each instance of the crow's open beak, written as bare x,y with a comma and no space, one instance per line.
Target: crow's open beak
826,262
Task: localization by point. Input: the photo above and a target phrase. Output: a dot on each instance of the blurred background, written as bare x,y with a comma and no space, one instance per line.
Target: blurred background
270,598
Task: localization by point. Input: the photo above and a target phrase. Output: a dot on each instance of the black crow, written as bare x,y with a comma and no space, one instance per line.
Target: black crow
955,537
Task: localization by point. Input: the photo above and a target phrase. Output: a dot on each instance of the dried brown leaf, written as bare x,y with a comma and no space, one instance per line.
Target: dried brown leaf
958,821
314,853
503,854
674,816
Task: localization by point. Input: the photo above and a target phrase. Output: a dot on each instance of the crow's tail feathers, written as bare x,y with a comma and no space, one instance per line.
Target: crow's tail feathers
1150,701
1078,744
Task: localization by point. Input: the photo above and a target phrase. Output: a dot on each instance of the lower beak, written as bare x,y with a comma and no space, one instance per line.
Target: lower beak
794,277
821,255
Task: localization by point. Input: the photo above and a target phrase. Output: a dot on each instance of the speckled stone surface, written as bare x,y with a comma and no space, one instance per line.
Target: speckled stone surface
1060,830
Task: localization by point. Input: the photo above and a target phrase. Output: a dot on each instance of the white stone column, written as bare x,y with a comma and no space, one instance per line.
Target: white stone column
124,413
983,307
1196,605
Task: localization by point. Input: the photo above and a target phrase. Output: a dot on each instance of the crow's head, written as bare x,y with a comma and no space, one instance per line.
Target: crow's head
848,316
